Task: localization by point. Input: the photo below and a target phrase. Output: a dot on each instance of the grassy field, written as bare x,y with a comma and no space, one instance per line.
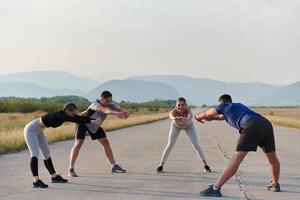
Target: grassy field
12,124
287,117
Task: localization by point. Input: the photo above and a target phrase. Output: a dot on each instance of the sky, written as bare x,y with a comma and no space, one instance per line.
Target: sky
232,40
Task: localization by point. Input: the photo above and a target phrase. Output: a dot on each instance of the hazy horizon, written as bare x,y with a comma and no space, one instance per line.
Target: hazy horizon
231,41
122,76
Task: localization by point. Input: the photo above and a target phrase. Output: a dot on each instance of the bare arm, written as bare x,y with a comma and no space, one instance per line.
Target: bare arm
171,115
190,116
210,114
125,113
120,109
107,111
217,117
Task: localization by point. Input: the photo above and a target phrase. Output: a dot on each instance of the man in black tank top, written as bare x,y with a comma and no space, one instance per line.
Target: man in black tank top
97,110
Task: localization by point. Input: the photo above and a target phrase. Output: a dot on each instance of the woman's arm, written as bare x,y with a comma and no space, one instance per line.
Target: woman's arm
76,119
190,116
81,119
171,115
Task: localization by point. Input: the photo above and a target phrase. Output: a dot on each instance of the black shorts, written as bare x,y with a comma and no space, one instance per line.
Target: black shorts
81,130
256,132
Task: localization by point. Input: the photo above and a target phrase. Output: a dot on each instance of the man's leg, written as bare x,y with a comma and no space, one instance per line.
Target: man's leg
101,137
107,149
75,151
79,139
215,190
231,169
275,166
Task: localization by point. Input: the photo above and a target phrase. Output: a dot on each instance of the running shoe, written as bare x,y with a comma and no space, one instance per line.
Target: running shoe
39,184
72,172
159,169
207,169
58,179
274,187
211,192
117,169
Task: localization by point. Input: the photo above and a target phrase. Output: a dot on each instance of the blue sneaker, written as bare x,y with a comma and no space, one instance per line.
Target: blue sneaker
211,192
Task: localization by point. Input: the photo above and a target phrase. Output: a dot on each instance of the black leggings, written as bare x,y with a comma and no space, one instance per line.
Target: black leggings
34,166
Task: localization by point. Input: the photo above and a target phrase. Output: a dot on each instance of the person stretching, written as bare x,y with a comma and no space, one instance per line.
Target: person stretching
254,129
182,120
36,140
98,110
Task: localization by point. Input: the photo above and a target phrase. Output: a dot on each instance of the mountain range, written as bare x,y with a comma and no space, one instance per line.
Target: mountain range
198,91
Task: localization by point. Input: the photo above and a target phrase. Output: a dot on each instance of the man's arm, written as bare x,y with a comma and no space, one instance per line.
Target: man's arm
216,117
107,111
125,113
210,114
120,109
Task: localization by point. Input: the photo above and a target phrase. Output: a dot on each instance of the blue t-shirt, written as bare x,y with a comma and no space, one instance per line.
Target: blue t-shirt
236,114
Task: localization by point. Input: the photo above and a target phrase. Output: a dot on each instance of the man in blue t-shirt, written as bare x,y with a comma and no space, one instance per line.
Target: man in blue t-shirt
254,129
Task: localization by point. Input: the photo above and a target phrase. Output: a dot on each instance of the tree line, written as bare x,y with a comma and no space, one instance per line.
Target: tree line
26,105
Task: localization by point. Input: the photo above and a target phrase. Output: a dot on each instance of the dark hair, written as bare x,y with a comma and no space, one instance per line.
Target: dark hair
69,106
106,94
181,99
225,98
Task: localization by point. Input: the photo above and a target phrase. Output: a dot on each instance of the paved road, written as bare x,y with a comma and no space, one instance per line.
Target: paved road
138,149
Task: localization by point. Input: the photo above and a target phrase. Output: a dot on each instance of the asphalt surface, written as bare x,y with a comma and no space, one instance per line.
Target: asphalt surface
138,149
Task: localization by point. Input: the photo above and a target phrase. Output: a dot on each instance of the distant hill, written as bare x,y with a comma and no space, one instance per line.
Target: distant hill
198,91
25,89
135,90
285,96
52,80
206,91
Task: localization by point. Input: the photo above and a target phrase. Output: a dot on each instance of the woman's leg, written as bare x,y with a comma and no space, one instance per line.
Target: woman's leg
173,134
191,132
75,151
44,147
31,140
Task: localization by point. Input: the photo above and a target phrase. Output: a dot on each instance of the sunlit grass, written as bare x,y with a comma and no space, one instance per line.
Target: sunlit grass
12,124
287,117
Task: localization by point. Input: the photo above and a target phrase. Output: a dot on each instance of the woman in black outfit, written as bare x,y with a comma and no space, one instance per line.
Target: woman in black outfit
36,140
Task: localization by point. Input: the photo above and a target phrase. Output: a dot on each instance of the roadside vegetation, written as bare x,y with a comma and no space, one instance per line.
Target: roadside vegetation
15,113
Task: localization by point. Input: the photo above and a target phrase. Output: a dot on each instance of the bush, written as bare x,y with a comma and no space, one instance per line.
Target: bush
26,105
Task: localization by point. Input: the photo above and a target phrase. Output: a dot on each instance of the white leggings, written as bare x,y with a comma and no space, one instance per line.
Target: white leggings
36,140
173,134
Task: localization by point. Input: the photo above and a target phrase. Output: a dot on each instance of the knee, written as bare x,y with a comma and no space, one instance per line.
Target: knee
78,144
104,142
46,154
170,145
274,161
35,153
196,145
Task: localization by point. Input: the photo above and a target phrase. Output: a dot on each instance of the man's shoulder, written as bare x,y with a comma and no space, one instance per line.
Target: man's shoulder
95,104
